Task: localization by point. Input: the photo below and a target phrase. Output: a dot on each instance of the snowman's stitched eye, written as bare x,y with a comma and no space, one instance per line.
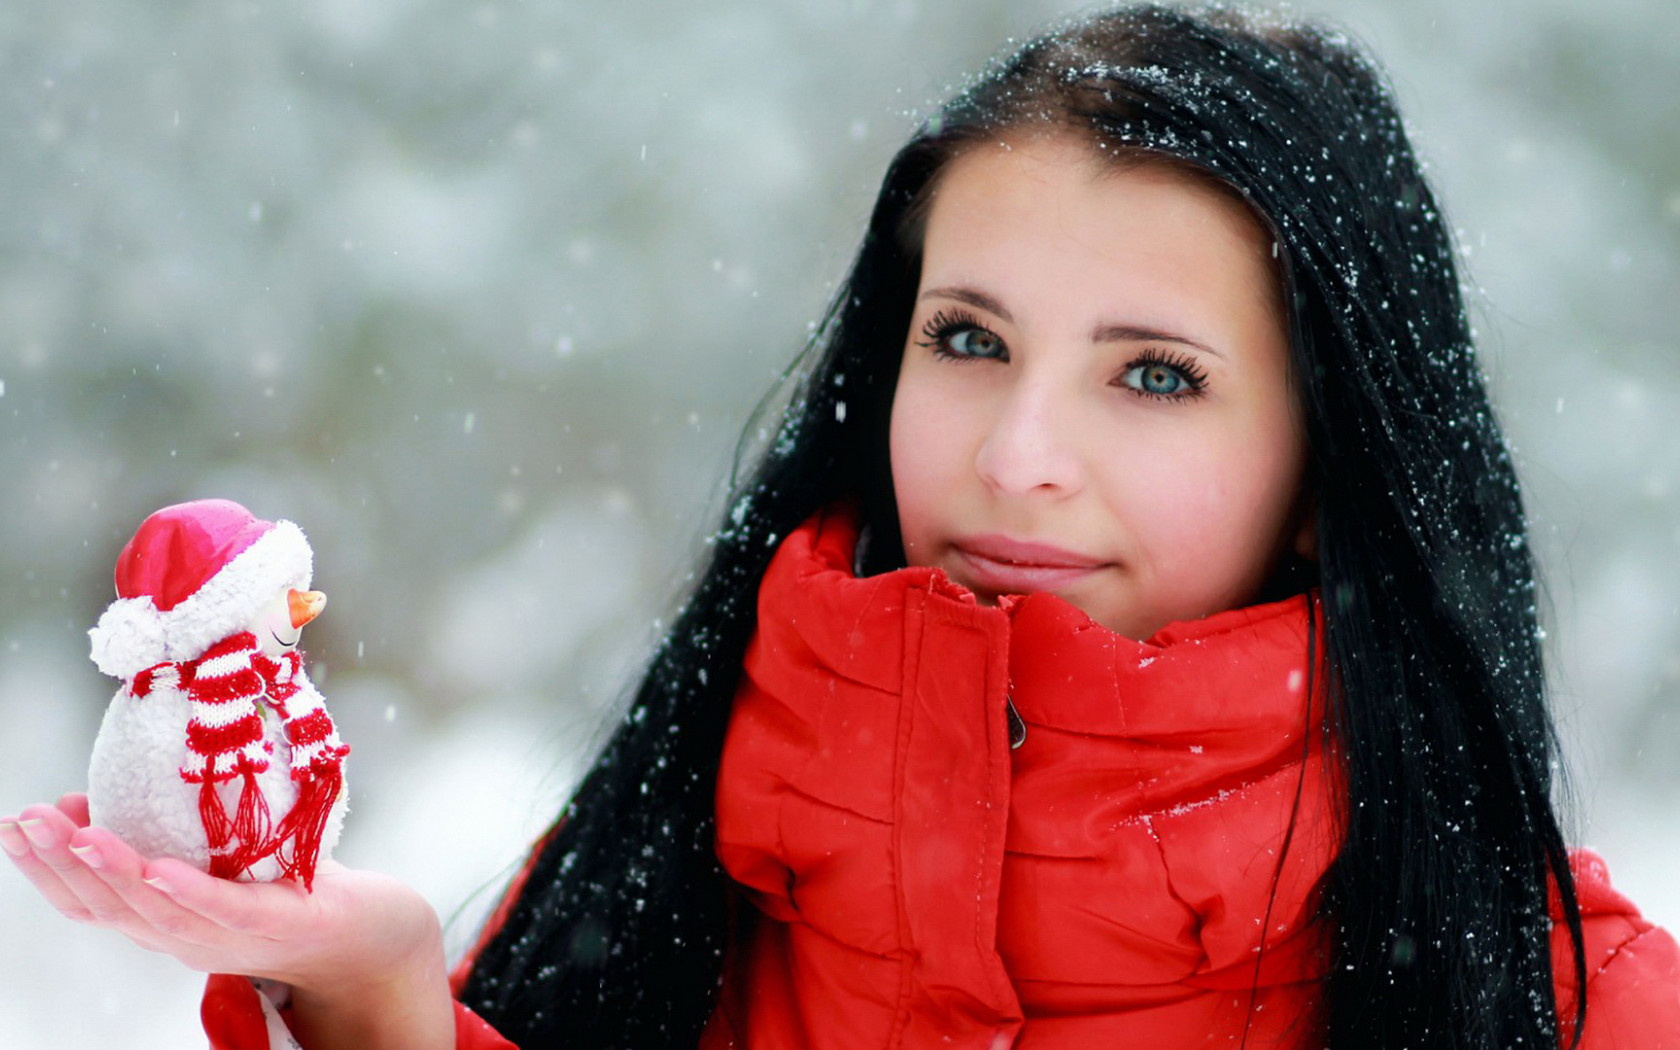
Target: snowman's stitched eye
1164,375
957,335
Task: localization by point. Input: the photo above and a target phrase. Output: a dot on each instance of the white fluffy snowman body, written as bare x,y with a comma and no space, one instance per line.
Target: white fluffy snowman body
135,787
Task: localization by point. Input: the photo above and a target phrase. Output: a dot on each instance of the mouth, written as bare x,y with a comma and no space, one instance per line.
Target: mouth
282,643
1001,565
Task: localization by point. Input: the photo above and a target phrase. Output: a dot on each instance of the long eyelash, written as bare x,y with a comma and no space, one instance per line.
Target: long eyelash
942,324
1195,377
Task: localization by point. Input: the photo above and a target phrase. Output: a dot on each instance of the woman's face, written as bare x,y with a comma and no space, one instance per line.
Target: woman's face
1095,399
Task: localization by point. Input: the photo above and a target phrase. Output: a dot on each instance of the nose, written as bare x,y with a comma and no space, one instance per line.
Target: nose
1031,445
304,606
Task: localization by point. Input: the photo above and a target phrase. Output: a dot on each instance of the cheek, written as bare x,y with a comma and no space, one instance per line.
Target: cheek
925,456
1176,509
1211,513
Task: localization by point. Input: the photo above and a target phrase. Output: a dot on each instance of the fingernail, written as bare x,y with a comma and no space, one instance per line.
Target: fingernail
90,856
158,884
36,832
12,840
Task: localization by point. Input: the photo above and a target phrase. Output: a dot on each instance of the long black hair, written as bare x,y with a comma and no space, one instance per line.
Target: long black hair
1436,905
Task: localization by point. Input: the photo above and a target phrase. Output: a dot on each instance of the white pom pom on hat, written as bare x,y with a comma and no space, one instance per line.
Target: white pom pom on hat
193,574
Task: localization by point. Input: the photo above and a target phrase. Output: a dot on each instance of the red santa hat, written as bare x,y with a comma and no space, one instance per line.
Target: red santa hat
193,574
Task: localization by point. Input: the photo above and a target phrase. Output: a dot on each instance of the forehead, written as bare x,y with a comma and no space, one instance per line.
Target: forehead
1031,210
1036,162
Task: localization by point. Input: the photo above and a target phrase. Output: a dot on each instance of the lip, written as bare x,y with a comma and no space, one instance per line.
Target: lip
1004,565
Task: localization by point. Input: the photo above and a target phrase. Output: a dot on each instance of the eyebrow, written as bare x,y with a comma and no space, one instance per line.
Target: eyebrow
972,297
1119,333
1103,333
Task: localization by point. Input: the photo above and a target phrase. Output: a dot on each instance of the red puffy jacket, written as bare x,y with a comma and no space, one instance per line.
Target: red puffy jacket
919,883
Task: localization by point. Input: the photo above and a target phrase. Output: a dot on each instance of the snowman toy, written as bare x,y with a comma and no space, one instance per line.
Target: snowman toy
217,749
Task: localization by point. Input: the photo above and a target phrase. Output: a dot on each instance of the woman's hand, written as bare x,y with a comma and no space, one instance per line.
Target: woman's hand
363,953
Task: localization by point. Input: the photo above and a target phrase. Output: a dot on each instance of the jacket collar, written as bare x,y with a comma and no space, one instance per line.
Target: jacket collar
1174,790
1233,686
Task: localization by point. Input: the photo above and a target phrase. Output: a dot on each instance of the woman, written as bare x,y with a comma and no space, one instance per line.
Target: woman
1394,884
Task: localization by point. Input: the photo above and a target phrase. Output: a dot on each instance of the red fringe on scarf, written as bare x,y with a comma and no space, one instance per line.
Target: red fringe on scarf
306,824
246,832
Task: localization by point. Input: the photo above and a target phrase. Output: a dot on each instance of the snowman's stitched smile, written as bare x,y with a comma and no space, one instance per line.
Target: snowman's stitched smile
284,645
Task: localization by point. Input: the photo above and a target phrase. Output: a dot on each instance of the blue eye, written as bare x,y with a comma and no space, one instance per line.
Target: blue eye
1170,377
960,336
974,342
1162,380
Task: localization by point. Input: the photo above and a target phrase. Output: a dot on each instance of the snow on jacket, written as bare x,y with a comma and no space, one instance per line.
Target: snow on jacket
919,883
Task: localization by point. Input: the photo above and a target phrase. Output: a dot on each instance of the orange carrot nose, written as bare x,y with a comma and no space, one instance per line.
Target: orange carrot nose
305,605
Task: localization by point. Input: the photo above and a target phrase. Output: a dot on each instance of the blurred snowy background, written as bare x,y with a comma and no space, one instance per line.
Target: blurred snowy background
481,293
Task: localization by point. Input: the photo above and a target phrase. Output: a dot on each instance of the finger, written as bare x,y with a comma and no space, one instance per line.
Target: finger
21,852
58,875
54,818
266,910
11,838
75,806
150,917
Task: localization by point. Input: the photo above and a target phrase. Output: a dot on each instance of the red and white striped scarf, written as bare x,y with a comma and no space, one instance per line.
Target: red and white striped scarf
225,742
